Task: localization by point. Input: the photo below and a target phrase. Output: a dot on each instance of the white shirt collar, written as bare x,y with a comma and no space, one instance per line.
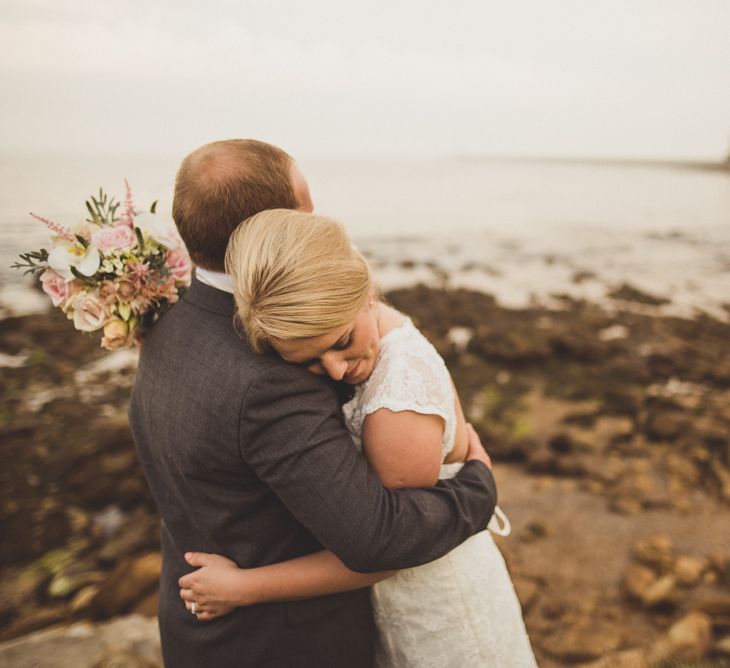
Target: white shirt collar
215,279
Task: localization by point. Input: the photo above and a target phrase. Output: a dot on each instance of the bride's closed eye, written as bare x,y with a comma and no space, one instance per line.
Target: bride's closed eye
344,343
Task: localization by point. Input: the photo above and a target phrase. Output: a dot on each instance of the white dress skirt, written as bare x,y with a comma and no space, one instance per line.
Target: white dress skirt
460,610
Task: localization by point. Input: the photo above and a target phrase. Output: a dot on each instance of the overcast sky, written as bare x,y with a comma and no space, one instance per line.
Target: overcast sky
635,78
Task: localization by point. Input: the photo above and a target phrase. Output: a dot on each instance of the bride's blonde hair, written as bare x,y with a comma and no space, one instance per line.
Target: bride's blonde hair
295,276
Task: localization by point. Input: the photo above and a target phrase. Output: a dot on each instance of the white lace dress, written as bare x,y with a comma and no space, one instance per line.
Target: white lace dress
460,610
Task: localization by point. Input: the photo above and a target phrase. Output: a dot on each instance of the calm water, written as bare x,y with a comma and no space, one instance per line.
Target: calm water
522,230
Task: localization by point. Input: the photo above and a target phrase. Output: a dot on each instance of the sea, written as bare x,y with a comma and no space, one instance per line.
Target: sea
526,231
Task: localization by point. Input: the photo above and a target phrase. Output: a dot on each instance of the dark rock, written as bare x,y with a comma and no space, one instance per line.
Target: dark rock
562,443
637,580
717,606
534,531
141,532
25,537
665,425
689,570
149,605
655,551
585,641
688,639
625,505
629,293
129,582
553,609
33,619
720,565
511,347
528,591
662,594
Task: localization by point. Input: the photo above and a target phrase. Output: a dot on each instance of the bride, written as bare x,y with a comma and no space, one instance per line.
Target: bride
303,291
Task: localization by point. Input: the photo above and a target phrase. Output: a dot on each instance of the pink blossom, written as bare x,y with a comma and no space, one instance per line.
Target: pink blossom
117,238
107,291
127,218
139,272
60,230
178,262
88,312
126,289
54,285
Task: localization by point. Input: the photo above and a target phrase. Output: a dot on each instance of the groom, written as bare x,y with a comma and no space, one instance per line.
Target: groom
247,456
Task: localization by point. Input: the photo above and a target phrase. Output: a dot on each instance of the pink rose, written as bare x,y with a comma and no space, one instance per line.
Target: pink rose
116,238
88,312
54,285
178,262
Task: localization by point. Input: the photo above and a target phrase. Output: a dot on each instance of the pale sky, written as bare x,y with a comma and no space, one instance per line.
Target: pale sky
615,78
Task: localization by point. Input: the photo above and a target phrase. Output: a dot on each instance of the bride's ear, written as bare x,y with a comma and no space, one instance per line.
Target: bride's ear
372,297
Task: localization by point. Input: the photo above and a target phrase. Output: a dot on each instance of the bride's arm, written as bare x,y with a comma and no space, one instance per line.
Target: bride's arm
219,586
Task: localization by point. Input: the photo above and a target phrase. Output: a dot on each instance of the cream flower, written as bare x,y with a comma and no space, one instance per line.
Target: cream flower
116,334
163,232
88,312
66,255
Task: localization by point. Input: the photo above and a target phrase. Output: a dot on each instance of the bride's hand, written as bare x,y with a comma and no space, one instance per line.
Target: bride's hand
213,588
476,449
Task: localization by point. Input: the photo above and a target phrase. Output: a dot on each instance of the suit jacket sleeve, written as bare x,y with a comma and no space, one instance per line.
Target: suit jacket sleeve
292,435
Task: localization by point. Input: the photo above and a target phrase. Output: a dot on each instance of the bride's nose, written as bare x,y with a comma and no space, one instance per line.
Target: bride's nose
334,366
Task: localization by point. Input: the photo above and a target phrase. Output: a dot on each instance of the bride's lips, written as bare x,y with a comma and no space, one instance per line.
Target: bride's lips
352,373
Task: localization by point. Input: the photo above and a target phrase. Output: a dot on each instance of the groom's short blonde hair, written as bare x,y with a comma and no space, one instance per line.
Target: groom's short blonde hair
221,184
295,276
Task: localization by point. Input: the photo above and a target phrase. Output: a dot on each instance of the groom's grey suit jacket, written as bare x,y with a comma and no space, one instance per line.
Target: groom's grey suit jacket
247,456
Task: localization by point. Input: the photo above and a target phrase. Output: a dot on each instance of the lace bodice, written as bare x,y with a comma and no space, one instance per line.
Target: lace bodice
409,375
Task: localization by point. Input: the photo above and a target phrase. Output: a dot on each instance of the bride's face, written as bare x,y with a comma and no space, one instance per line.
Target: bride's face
347,353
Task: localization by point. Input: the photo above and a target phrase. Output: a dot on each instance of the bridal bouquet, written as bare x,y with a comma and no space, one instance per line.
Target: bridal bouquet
114,271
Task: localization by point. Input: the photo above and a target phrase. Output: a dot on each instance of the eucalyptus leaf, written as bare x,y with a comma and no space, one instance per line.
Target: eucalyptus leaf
140,238
94,214
86,279
32,261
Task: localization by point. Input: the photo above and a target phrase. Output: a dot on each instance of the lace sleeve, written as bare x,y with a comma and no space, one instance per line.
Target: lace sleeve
409,376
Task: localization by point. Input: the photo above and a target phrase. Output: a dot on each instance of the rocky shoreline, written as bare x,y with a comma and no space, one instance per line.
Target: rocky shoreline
610,432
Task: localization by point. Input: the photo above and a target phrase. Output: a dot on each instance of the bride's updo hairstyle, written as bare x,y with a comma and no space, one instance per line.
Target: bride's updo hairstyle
295,276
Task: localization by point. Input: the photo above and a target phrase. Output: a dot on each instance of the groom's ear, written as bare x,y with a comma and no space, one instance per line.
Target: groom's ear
301,189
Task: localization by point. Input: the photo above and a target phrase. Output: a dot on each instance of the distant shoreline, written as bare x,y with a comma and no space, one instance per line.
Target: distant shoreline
608,162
